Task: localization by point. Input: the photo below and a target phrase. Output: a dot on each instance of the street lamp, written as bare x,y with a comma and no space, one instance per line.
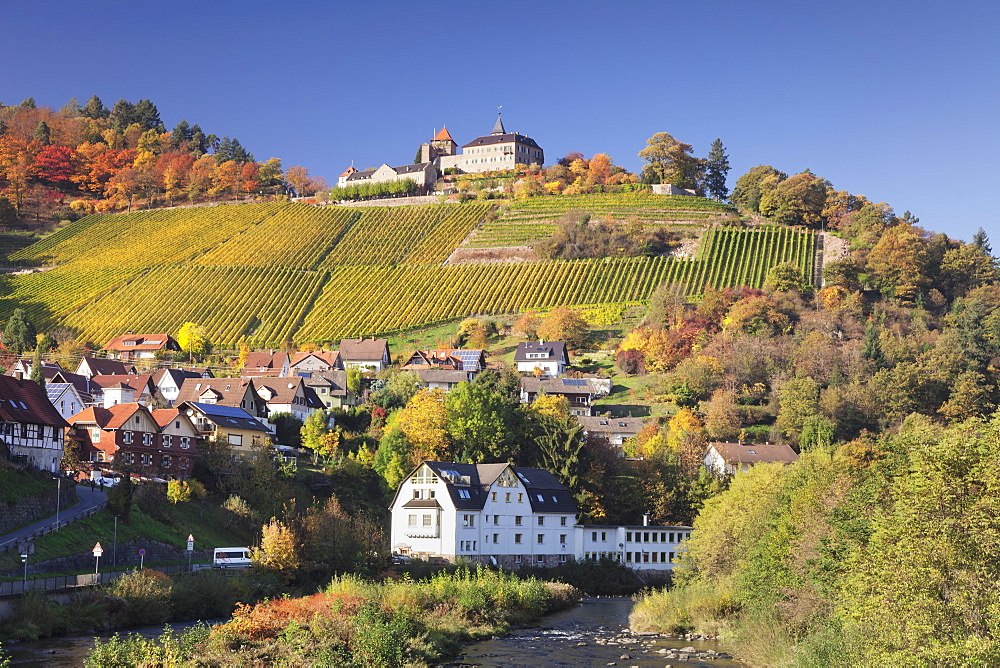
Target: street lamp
190,549
114,547
58,498
24,558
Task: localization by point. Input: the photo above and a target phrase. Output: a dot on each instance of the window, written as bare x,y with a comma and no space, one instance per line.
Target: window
167,440
184,462
95,434
663,537
541,538
562,539
147,459
411,520
672,537
416,494
496,538
464,493
165,461
126,437
469,521
562,521
236,439
540,499
496,519
427,520
137,419
520,497
493,496
129,458
541,521
507,500
593,536
645,537
517,558
540,559
656,537
517,520
185,442
147,439
671,556
517,539
562,558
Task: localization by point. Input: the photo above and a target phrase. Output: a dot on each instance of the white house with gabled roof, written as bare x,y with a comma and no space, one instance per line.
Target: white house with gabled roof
512,516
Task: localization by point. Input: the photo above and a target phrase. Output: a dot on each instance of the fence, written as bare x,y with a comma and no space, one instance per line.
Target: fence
64,582
13,543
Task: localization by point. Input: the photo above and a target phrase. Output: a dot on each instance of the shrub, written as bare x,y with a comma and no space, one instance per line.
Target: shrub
147,595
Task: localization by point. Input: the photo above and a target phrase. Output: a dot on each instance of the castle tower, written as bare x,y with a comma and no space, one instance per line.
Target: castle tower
498,127
443,143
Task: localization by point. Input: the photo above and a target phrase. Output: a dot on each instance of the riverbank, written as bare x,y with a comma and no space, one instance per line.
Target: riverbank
594,633
356,623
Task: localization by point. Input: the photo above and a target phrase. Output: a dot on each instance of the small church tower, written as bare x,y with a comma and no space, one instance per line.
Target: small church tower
498,127
442,144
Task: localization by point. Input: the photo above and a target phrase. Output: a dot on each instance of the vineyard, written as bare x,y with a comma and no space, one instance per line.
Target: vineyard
274,272
524,223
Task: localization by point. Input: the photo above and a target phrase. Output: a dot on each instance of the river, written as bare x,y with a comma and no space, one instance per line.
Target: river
594,633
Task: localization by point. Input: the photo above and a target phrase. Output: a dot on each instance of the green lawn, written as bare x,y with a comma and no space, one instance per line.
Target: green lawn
16,484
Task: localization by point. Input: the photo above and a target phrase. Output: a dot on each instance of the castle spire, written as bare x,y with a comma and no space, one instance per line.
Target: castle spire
498,126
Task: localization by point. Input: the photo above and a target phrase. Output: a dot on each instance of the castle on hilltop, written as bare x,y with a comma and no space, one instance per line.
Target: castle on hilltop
498,151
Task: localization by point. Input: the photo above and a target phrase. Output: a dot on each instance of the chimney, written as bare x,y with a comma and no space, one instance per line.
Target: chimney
19,377
645,519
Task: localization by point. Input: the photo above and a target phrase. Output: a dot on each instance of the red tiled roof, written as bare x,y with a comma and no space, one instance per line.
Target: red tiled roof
103,366
141,342
24,401
443,134
139,382
363,349
165,416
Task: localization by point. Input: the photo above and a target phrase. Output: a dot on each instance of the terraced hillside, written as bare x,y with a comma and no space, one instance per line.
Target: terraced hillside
524,223
273,272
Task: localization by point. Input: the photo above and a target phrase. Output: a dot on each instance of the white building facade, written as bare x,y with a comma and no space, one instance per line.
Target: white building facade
510,516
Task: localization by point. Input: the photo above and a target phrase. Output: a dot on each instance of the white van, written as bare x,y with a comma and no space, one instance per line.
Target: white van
231,557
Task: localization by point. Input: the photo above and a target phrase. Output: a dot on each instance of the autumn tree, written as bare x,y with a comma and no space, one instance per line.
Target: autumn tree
784,276
193,339
898,260
797,200
672,162
564,324
279,550
424,422
716,171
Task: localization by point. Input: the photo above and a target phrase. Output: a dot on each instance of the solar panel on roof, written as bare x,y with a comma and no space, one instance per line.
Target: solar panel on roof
574,381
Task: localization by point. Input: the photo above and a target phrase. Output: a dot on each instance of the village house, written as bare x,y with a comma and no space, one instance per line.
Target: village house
314,361
330,387
422,174
472,361
141,384
265,363
132,437
65,398
545,358
216,422
288,395
365,354
101,366
512,516
31,428
168,382
140,346
83,386
615,431
580,393
233,392
731,458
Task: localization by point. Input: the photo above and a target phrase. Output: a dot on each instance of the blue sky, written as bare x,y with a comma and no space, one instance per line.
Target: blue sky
894,100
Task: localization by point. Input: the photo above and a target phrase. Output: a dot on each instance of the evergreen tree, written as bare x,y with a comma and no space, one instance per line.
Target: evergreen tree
122,115
716,169
95,109
42,133
147,115
180,134
979,239
231,149
20,333
71,109
3,128
28,103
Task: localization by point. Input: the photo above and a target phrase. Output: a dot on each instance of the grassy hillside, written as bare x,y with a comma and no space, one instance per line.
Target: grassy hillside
273,272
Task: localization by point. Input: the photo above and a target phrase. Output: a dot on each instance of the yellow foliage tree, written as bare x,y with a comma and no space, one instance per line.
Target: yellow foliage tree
423,421
687,438
551,405
279,549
